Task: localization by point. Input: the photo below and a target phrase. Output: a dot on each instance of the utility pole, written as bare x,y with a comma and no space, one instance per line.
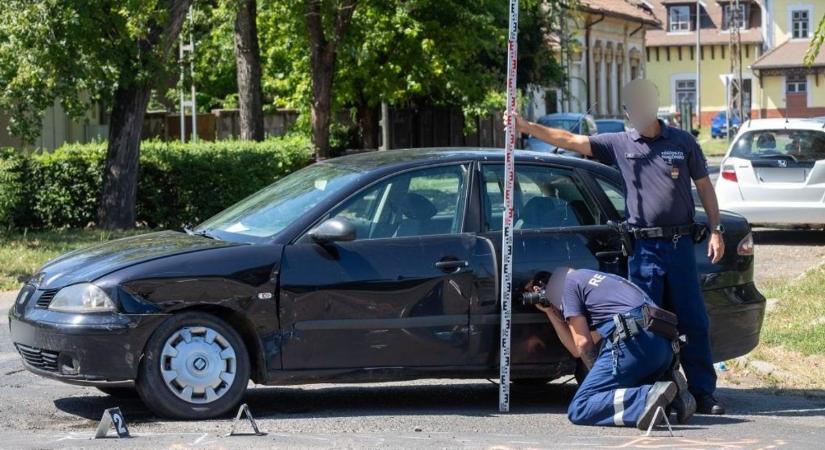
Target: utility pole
698,53
187,54
735,105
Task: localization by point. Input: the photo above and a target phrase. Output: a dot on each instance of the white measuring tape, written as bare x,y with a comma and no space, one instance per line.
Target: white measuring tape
507,228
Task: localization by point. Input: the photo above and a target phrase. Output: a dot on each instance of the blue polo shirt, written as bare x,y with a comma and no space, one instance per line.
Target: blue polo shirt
656,172
598,296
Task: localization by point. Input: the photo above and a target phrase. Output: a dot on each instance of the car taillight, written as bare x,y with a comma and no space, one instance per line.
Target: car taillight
745,247
729,173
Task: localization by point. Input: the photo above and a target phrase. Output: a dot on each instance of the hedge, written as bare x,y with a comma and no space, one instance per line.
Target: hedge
178,183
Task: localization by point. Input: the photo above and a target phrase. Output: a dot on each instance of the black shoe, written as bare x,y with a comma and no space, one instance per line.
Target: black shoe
684,404
659,396
707,404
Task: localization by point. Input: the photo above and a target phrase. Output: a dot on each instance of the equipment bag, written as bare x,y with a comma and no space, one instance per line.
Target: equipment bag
661,322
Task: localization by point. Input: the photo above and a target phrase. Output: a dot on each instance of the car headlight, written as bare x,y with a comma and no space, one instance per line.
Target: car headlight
82,298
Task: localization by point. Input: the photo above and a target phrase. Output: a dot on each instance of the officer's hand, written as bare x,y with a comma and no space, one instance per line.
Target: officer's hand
716,247
521,124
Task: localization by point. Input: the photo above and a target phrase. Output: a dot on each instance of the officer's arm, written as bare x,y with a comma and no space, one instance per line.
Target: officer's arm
585,347
716,245
555,136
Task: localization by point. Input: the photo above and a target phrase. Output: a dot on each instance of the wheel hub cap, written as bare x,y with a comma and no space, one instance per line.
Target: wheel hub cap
198,364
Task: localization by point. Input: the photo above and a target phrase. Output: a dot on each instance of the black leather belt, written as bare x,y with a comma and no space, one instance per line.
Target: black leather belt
661,232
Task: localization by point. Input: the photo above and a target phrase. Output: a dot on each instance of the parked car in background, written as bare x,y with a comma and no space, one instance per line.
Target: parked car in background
719,125
379,266
575,123
774,173
610,126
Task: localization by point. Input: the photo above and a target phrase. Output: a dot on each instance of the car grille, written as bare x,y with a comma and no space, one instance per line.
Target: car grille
46,298
40,359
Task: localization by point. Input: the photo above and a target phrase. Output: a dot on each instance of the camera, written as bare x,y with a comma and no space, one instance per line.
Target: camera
535,298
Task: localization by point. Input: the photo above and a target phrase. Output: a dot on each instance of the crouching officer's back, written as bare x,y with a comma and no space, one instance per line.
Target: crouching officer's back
637,348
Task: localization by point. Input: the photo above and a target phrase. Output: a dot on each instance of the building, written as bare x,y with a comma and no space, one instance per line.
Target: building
788,87
774,35
601,45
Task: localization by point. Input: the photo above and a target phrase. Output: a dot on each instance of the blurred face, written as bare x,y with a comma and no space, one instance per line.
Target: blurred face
641,103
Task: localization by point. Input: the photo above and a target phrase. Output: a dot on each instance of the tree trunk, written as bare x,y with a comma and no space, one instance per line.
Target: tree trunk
248,62
368,125
117,202
117,205
323,56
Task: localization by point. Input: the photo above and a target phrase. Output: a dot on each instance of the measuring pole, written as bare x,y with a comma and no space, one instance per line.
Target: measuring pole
507,228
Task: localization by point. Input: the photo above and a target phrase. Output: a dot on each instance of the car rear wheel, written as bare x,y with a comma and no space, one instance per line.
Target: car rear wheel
195,367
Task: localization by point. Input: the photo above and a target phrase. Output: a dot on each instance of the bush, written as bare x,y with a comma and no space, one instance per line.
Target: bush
177,184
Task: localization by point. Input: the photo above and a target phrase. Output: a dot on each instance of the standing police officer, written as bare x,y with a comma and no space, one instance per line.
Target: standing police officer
657,163
621,387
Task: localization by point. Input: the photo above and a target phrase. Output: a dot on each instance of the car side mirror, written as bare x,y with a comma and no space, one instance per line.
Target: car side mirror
336,229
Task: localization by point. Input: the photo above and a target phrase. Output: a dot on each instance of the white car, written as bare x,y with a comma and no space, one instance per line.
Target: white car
774,172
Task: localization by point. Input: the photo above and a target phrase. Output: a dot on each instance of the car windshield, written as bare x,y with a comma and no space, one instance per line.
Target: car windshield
796,145
610,126
571,125
270,210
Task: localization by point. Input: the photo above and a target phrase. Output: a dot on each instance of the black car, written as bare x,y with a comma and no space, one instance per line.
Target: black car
372,267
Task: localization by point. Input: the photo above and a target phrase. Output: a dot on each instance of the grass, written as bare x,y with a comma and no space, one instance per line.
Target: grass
22,253
791,353
798,320
712,147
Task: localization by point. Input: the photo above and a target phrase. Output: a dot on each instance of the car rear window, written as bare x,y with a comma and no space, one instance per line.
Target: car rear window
797,145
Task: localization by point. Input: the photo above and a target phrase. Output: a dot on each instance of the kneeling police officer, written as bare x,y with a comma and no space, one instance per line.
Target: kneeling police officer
637,339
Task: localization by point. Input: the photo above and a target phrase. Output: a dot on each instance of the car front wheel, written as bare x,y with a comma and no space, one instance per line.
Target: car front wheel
195,367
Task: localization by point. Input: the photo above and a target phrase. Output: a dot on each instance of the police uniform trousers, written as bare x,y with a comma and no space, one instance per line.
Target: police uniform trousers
615,390
668,274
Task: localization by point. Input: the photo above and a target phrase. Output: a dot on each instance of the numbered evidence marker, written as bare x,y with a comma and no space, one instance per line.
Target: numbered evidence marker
244,410
112,417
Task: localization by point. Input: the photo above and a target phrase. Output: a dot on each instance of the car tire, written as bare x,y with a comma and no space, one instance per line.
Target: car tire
118,392
531,381
581,371
181,368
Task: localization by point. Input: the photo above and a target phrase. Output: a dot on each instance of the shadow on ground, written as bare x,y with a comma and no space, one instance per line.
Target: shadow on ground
474,399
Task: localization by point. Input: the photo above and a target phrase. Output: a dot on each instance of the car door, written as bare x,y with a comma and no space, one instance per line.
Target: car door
399,294
557,223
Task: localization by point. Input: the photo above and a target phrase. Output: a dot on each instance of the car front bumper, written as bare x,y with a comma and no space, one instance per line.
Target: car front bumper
88,349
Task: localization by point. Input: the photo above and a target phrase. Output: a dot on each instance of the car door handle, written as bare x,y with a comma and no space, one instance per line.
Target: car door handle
450,266
609,255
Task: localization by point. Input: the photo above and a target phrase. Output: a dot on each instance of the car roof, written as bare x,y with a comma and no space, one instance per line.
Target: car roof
609,120
779,124
400,159
562,116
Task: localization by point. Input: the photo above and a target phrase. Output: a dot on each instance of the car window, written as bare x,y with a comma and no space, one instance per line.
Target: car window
417,203
544,197
796,145
614,195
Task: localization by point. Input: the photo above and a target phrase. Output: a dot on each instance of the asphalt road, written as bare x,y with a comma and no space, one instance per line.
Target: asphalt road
39,413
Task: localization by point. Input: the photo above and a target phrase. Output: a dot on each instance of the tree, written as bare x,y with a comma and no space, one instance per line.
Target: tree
248,62
82,53
816,42
327,22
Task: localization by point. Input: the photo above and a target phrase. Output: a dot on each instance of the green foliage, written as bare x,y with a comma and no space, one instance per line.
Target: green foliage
75,52
178,183
449,52
816,43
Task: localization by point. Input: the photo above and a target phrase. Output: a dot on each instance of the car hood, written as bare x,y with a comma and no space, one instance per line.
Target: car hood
94,262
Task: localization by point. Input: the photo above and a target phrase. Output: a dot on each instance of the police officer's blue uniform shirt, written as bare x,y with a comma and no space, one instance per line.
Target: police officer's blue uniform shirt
661,167
598,296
